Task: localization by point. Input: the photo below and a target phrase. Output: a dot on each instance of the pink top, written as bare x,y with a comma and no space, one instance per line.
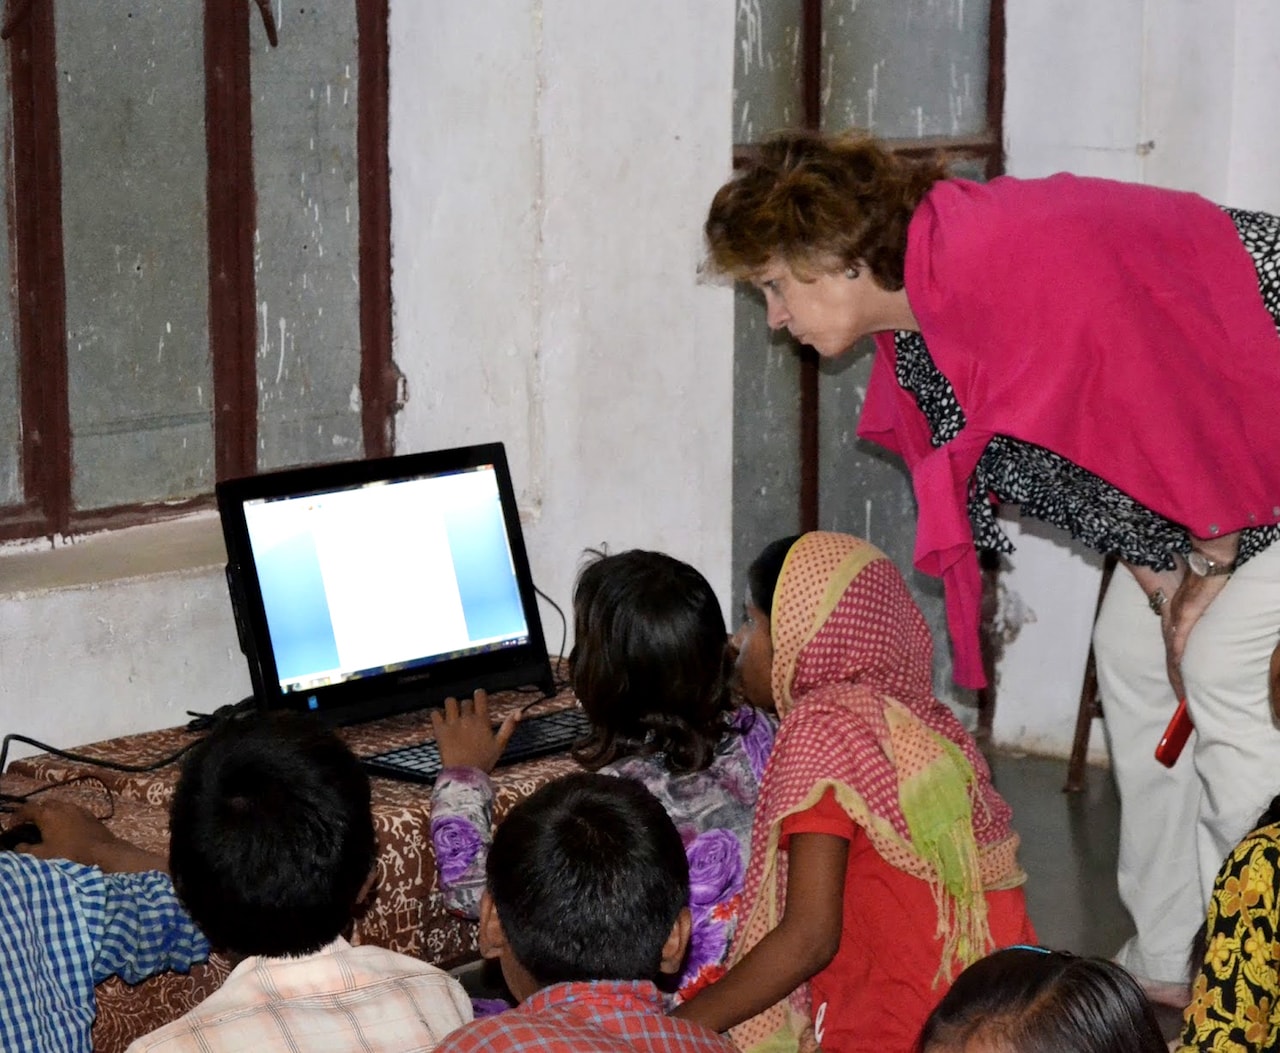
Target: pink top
1118,325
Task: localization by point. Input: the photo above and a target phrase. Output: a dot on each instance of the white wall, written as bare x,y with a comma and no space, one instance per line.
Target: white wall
551,162
551,166
87,663
1177,93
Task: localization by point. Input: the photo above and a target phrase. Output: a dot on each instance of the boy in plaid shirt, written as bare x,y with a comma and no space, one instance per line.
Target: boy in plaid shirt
272,848
586,904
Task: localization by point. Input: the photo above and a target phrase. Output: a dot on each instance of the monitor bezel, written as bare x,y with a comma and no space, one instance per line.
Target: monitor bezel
384,694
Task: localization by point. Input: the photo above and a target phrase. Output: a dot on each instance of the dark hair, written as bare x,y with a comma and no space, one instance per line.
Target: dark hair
271,835
588,876
1270,815
818,202
1032,1000
650,663
765,569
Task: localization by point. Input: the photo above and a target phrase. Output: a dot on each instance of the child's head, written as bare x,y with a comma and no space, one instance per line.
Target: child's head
1030,1000
754,639
586,880
650,663
271,835
765,569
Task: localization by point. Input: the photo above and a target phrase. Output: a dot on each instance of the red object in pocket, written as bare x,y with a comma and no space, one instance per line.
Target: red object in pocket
1175,736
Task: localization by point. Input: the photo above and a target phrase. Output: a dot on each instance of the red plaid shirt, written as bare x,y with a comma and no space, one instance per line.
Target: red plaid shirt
607,1016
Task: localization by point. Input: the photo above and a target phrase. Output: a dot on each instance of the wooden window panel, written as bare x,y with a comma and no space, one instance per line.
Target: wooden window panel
345,405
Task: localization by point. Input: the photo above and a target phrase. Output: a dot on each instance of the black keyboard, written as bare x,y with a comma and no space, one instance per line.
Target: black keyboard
535,736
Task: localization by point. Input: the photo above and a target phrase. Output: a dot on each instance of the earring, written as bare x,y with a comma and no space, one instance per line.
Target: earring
851,272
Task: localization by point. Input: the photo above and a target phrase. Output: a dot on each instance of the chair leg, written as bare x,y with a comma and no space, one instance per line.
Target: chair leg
1090,703
1084,726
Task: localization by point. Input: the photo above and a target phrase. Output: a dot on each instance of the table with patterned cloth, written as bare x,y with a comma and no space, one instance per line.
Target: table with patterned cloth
407,913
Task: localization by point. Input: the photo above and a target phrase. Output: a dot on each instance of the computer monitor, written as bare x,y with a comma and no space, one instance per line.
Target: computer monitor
367,588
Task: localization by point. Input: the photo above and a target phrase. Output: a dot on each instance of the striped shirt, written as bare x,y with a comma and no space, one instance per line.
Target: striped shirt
607,1016
340,998
65,927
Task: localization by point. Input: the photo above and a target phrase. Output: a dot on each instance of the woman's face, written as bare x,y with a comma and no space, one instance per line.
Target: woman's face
832,311
753,670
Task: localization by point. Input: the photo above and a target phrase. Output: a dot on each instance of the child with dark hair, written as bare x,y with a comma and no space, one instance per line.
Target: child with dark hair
1033,1000
882,859
586,904
1235,1000
651,668
272,848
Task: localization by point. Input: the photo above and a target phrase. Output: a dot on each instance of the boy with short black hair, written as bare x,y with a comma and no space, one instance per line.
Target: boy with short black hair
586,904
271,849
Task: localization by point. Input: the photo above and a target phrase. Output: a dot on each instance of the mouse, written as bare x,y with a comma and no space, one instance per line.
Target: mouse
23,834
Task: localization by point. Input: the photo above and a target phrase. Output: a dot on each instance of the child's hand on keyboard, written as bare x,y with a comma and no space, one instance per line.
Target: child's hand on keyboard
466,738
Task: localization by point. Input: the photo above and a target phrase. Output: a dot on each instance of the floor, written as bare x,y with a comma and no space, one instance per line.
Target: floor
1068,850
1069,843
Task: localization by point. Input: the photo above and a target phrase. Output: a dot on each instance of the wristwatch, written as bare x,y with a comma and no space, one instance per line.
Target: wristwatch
1204,567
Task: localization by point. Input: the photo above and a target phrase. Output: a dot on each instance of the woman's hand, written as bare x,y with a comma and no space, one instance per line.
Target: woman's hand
1191,600
1161,586
1178,618
1181,598
466,738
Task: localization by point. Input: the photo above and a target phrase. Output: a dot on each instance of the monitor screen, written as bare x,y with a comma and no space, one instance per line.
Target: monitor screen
373,587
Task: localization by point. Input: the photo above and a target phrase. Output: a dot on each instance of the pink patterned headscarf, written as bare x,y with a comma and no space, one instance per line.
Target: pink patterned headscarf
852,679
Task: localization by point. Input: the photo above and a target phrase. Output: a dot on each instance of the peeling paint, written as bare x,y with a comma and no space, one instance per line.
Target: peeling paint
1012,614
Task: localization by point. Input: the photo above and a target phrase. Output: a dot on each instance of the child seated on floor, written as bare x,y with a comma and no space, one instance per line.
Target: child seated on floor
586,903
272,848
1033,1000
651,669
882,858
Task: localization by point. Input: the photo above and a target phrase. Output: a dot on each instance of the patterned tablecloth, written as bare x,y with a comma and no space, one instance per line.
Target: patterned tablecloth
407,913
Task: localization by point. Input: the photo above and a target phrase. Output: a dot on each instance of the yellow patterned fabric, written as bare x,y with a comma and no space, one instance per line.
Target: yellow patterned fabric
1234,1000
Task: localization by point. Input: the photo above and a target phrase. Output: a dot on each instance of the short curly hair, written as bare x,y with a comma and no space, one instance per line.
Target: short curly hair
819,203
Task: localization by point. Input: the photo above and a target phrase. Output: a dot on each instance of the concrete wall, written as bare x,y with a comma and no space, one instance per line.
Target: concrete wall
551,166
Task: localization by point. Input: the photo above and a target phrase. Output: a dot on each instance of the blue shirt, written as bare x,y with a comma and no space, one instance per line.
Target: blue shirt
65,927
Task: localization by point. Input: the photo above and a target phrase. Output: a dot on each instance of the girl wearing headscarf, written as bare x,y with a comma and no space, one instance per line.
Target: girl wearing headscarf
882,859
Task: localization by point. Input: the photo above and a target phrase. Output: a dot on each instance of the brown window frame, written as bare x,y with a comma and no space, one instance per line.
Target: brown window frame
38,281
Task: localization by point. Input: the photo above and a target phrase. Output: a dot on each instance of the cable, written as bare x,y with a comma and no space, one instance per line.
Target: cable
200,722
564,636
10,802
206,721
80,758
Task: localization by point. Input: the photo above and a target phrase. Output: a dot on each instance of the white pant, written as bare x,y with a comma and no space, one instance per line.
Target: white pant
1177,825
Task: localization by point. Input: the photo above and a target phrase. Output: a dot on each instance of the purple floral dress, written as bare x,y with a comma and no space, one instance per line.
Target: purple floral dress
712,809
